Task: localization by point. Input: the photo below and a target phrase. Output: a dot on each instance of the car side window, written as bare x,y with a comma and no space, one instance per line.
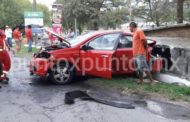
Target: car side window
95,43
106,42
125,42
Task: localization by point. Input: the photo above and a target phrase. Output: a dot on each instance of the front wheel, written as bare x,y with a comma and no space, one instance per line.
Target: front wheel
62,73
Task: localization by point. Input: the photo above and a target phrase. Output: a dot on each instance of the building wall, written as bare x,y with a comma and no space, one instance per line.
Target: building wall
172,31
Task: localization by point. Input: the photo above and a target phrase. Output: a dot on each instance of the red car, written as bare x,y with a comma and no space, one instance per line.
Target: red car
99,54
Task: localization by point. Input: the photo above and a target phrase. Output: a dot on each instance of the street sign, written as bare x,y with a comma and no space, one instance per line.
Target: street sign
34,18
33,15
57,10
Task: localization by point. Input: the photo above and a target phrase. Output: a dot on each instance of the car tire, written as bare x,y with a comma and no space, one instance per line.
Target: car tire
62,73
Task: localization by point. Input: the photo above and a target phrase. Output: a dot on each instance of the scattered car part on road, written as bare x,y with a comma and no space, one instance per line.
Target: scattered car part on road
83,95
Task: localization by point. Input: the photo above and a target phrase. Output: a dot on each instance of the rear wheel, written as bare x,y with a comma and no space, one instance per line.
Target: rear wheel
62,73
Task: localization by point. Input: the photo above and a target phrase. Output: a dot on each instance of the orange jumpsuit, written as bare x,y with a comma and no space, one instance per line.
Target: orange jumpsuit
4,56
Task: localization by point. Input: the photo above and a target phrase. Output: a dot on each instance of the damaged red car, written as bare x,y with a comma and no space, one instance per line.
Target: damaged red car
100,54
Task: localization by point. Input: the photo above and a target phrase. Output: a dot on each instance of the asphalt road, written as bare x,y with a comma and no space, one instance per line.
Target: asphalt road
28,99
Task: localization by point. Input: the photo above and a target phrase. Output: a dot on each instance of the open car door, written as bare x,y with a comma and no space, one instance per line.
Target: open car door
97,55
156,63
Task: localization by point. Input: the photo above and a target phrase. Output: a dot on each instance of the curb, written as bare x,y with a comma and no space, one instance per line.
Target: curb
168,78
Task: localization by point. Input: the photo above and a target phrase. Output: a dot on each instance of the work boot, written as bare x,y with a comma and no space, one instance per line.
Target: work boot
5,81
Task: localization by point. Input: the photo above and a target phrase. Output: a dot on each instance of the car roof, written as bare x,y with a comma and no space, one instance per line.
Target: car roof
102,32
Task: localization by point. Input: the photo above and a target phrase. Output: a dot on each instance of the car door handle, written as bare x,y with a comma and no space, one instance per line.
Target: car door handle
104,56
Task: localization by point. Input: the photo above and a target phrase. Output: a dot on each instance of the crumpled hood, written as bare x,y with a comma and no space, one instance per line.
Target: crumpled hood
58,36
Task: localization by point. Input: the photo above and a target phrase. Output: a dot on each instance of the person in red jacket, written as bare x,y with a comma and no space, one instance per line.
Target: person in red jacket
5,62
17,35
29,37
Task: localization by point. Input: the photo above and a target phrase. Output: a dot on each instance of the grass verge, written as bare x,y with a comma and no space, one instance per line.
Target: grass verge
24,51
159,91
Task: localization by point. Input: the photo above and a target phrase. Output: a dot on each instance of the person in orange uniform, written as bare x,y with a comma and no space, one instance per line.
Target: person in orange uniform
17,35
29,37
140,50
5,62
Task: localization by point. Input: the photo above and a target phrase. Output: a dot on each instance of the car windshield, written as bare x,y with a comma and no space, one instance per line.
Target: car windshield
77,40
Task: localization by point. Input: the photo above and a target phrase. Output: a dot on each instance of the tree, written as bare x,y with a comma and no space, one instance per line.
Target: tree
87,12
157,11
46,12
113,19
186,11
180,11
12,12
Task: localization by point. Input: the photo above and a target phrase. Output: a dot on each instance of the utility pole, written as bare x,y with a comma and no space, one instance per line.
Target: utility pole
34,5
76,27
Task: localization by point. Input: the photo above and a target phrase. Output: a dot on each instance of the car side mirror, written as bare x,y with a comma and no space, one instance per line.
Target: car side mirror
84,47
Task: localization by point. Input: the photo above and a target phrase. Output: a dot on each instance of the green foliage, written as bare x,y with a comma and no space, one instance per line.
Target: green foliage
157,11
112,19
92,13
187,11
111,13
12,12
47,13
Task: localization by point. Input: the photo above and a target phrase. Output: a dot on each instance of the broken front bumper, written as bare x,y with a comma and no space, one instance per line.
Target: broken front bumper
39,66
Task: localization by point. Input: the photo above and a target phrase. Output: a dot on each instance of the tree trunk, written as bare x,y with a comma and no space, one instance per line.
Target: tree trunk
180,11
157,23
